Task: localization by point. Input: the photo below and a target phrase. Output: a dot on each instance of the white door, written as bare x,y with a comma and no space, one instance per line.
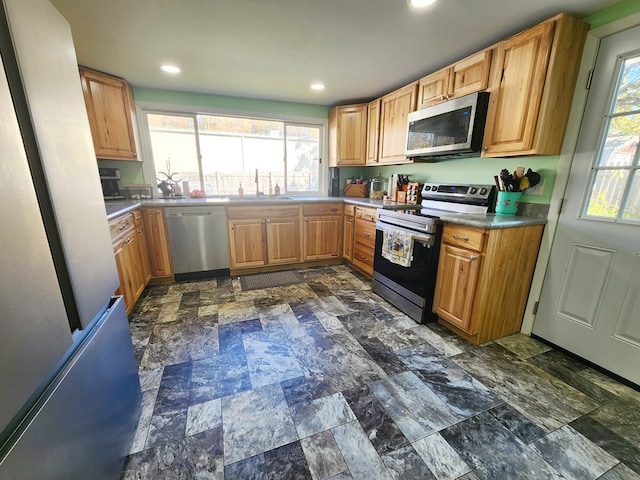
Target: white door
590,302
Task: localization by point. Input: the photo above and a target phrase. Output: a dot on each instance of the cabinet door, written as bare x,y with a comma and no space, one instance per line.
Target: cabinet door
434,88
122,255
137,268
471,74
514,104
322,237
458,271
157,241
349,126
283,240
394,110
143,249
373,127
347,246
246,243
109,108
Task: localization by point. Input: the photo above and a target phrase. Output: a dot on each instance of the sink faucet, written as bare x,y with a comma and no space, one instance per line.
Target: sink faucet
257,185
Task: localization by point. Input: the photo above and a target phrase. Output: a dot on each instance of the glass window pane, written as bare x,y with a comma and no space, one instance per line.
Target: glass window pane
628,98
234,148
303,158
632,206
606,193
621,141
173,146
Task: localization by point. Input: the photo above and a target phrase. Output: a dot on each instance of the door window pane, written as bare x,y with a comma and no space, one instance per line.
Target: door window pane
606,193
615,188
628,99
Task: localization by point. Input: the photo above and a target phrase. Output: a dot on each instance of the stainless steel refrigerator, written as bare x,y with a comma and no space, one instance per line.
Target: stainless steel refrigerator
69,389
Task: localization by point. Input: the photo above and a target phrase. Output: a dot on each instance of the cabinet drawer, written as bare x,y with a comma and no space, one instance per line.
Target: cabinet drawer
365,233
137,218
120,225
366,213
465,237
349,210
363,255
322,209
275,211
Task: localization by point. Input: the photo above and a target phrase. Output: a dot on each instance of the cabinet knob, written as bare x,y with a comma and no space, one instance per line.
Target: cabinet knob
485,149
473,257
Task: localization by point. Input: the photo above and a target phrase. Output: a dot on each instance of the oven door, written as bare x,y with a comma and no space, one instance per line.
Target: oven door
409,288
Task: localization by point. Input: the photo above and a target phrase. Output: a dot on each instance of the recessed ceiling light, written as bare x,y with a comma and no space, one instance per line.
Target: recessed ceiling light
317,86
421,3
169,68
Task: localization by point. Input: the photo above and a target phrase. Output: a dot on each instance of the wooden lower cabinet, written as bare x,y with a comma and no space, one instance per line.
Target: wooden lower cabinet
158,244
364,239
484,278
348,232
322,231
131,258
261,236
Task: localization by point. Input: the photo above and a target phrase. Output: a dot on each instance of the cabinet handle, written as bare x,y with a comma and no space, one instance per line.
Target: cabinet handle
458,237
473,257
122,227
485,149
366,234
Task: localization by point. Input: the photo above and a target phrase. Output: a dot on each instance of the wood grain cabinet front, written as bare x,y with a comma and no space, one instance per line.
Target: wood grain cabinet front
394,111
464,77
533,84
484,278
158,244
131,257
364,237
263,236
348,135
322,231
110,110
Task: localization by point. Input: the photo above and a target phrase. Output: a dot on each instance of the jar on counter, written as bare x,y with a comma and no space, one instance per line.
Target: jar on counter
377,187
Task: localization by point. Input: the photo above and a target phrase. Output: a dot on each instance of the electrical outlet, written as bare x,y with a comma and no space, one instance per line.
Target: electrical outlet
537,190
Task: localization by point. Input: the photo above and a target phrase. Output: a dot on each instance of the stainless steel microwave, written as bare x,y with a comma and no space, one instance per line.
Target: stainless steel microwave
449,128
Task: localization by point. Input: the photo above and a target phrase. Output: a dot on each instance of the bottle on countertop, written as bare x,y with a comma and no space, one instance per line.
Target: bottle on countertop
240,190
276,189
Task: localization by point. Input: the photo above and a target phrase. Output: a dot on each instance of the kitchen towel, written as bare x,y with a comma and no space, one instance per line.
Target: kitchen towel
397,246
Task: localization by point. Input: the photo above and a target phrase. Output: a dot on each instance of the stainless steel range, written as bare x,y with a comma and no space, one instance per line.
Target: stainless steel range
408,245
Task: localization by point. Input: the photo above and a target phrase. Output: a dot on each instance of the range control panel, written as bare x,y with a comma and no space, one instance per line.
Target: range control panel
462,193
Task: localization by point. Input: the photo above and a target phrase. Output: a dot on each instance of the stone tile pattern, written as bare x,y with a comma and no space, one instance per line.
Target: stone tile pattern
324,379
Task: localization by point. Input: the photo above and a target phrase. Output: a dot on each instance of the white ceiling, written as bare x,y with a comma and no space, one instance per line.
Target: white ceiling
274,49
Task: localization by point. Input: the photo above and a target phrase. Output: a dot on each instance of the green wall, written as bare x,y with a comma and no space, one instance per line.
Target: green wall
221,102
616,12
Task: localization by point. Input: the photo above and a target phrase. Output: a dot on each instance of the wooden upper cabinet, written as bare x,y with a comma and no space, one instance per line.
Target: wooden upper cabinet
373,127
394,110
110,110
434,88
469,75
533,86
348,135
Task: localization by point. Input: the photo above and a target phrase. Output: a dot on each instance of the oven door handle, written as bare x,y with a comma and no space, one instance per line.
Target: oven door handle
428,240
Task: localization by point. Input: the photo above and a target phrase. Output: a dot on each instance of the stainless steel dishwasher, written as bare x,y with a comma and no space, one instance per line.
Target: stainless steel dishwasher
198,241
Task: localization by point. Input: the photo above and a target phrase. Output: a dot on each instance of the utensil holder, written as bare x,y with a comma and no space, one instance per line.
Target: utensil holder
507,203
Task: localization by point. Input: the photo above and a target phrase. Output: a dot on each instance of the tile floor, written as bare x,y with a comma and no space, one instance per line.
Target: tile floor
324,379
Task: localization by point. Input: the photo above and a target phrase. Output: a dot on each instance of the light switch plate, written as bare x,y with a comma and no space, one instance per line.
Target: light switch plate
537,190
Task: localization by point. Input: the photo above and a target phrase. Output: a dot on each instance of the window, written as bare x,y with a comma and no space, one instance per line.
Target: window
615,181
221,153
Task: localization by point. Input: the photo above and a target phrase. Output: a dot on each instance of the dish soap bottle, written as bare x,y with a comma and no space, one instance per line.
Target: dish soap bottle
276,189
240,190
